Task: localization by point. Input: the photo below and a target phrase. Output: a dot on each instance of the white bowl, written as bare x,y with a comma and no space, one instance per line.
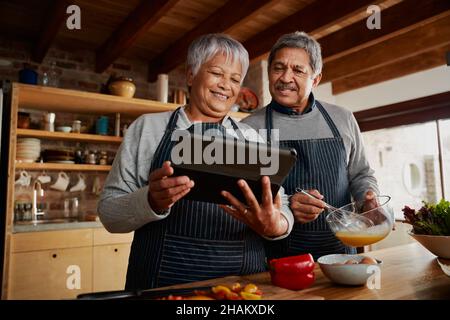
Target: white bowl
437,245
64,129
348,274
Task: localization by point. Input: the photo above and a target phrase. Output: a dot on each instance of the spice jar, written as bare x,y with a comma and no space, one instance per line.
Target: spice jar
76,126
103,158
91,158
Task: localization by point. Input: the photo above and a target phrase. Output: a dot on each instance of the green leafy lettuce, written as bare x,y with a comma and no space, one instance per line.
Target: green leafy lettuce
430,219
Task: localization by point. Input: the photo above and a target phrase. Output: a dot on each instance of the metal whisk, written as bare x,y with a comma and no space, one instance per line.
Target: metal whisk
342,219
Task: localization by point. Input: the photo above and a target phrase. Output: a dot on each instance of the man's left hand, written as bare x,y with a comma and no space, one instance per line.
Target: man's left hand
266,218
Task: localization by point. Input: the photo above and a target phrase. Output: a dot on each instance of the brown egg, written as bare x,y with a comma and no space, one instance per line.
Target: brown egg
351,261
368,260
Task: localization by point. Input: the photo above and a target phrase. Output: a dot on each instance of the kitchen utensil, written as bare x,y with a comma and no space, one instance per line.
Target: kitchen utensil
65,129
437,245
141,294
342,218
349,222
123,87
81,184
44,178
102,125
62,182
334,268
24,179
76,126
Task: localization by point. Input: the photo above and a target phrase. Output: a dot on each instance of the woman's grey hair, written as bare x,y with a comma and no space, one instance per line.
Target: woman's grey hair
302,40
207,46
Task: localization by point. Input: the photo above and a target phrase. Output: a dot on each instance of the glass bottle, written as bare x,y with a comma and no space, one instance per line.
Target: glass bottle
53,77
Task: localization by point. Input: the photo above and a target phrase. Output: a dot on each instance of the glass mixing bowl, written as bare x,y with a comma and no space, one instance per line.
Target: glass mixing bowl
361,223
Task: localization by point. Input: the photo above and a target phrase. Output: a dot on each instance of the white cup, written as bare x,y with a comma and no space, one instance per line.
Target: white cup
44,178
81,184
61,182
24,179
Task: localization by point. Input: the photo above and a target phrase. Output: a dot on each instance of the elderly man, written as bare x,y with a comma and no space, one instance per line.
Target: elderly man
331,160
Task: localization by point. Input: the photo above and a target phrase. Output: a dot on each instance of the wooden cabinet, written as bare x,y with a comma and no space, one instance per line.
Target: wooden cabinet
110,264
64,264
45,274
110,259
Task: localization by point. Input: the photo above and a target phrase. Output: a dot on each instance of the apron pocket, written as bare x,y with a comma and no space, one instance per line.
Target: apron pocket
186,259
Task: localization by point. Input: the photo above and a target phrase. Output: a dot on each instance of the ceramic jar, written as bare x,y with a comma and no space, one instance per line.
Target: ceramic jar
123,87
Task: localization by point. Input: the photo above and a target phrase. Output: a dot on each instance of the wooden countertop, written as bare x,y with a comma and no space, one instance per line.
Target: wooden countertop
408,272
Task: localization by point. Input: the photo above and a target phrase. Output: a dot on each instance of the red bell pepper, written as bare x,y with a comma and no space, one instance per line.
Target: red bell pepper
294,273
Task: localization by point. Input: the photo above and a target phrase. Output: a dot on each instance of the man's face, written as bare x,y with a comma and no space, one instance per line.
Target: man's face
291,78
215,87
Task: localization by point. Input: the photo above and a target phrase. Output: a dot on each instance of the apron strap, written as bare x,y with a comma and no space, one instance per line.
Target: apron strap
326,116
269,123
328,119
236,128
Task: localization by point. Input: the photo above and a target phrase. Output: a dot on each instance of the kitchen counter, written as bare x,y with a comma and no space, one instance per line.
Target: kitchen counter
408,272
56,226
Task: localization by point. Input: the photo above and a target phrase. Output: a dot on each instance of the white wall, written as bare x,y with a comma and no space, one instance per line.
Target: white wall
417,85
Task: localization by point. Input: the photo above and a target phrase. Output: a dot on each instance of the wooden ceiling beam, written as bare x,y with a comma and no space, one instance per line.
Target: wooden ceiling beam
427,60
233,12
395,20
418,110
147,14
53,21
313,18
412,43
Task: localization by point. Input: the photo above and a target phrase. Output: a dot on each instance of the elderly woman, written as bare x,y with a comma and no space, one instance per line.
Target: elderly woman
178,240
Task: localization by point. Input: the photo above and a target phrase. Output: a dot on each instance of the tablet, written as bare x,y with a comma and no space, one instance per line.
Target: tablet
217,165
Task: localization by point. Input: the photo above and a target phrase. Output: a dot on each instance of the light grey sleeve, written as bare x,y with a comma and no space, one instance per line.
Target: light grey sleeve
360,174
123,205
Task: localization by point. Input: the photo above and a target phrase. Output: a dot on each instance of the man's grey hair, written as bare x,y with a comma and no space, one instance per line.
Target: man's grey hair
207,46
302,40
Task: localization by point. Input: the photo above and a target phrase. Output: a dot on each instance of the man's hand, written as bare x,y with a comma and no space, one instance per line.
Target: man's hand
307,209
163,191
266,218
373,210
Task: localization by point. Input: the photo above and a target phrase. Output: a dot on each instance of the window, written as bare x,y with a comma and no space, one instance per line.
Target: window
406,161
444,133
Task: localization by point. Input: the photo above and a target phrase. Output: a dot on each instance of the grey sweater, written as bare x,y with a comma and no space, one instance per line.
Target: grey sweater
123,205
312,125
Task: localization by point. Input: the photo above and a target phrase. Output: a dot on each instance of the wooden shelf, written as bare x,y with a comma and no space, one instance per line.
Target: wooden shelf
61,166
73,101
42,134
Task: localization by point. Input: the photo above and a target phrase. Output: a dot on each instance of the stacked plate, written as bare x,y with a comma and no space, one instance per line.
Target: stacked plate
28,149
58,156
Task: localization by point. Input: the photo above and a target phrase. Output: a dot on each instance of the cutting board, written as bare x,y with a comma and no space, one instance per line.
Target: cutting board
262,280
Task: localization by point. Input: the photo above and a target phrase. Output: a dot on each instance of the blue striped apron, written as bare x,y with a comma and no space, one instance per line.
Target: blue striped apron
321,165
197,241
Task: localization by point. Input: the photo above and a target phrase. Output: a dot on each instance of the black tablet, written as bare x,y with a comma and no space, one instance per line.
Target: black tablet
218,164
